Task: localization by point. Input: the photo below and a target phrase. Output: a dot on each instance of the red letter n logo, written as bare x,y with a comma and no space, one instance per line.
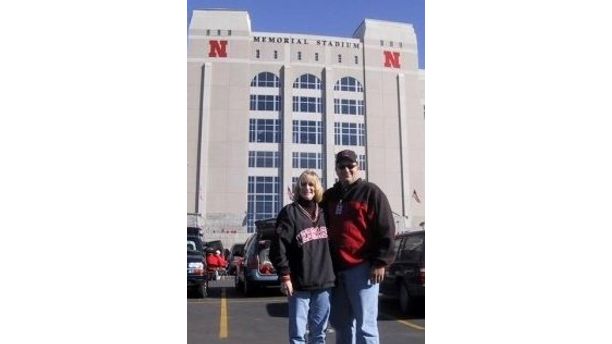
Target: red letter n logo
391,59
217,49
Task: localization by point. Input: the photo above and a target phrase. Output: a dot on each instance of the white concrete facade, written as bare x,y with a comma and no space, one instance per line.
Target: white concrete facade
224,123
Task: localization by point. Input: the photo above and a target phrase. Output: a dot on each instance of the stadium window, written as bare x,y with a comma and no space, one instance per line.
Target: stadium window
229,32
348,84
261,102
349,134
316,56
263,199
275,54
382,43
257,53
265,79
339,58
307,132
263,159
306,160
218,32
299,55
264,130
307,81
363,163
307,104
391,44
348,106
356,59
208,32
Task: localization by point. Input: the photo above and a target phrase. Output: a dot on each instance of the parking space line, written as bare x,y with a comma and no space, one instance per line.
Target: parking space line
223,316
238,301
407,323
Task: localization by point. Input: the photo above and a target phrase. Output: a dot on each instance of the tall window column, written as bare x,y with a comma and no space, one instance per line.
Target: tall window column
329,170
286,116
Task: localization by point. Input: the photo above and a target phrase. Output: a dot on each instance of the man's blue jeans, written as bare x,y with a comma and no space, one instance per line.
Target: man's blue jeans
354,310
308,309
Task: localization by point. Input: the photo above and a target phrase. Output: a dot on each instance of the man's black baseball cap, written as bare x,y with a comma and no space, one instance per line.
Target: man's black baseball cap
346,155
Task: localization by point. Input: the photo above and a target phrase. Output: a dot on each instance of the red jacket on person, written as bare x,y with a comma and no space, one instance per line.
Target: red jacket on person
221,262
214,261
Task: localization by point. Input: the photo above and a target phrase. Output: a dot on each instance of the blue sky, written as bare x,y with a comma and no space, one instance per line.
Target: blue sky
332,17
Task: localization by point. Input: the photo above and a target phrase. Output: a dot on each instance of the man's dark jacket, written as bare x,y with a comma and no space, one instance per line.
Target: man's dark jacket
360,225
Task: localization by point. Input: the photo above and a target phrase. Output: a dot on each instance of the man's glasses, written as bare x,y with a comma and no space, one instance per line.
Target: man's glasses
342,166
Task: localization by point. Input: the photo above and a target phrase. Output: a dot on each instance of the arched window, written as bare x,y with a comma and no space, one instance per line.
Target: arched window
348,84
308,81
265,79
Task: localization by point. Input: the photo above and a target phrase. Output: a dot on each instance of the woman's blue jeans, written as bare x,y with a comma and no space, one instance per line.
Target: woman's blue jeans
308,310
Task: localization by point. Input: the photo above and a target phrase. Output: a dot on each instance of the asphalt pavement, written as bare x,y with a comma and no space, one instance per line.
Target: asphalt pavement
226,316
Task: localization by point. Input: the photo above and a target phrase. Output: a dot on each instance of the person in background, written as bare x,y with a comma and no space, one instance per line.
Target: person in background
212,264
221,262
221,265
361,234
300,254
215,264
211,260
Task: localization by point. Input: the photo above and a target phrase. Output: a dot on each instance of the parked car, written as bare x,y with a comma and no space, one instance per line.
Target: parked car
235,258
405,277
214,245
256,270
196,266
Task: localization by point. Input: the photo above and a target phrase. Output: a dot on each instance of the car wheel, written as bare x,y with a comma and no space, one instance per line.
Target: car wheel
404,299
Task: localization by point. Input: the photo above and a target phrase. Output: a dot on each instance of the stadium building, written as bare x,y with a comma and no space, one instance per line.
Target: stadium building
264,106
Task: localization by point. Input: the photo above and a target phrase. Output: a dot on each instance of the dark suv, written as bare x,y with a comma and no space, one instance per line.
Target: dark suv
256,270
196,264
405,277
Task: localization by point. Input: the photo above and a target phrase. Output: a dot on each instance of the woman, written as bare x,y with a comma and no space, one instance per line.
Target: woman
300,254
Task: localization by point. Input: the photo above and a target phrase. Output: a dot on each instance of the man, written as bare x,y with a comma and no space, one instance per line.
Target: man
361,232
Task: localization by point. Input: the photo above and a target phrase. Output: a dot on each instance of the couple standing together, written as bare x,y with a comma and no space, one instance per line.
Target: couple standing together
330,251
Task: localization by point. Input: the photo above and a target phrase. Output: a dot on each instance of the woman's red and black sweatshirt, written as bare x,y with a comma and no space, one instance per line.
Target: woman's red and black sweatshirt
300,249
360,225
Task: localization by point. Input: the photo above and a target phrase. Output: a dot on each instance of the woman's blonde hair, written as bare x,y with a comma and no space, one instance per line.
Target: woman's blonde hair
304,178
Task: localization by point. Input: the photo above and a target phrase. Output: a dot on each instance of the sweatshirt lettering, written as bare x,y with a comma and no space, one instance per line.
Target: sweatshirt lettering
309,234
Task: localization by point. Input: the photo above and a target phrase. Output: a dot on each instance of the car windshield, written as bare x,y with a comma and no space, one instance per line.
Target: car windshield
237,250
194,245
414,243
412,248
215,245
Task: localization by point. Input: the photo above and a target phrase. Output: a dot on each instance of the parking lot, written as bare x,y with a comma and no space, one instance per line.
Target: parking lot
226,316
